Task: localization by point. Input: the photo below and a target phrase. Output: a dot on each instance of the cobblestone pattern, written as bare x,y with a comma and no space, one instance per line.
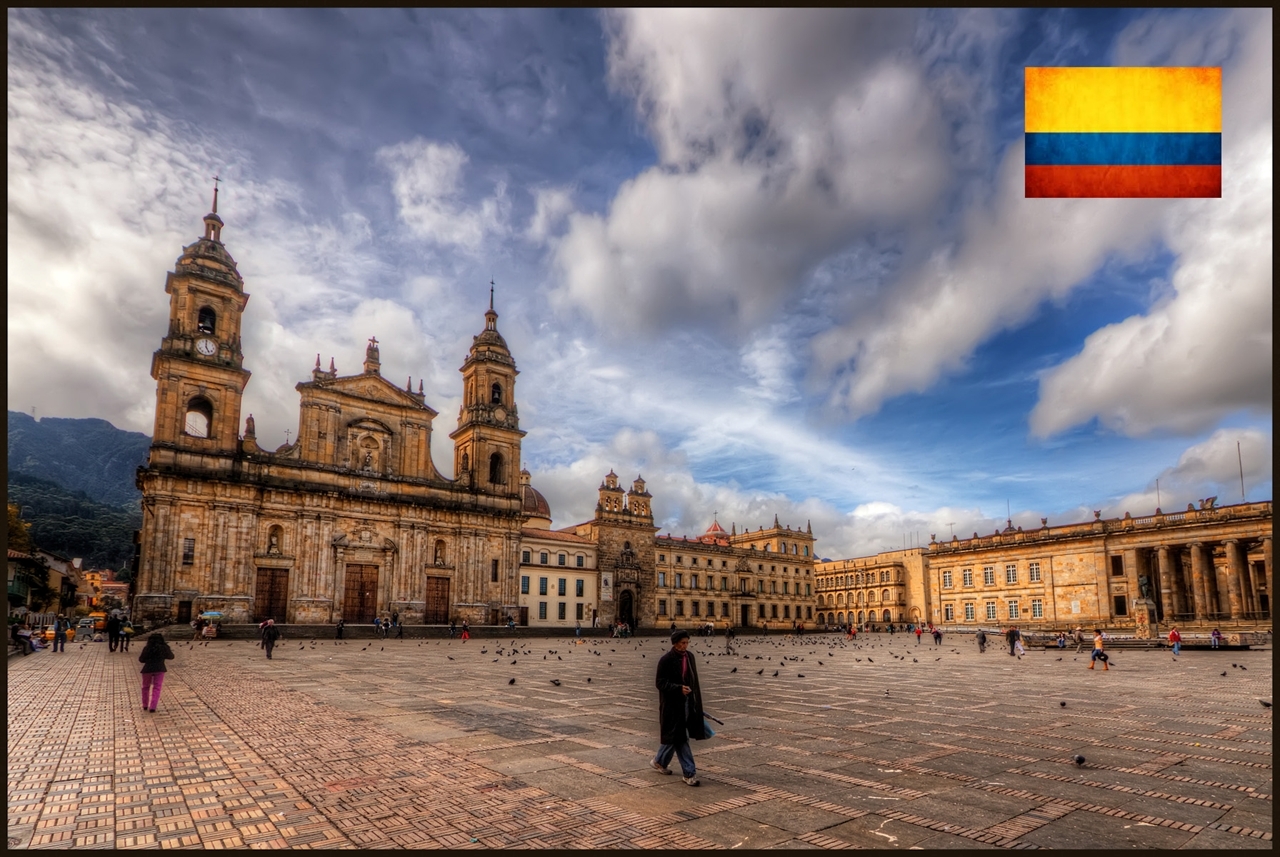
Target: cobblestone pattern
427,744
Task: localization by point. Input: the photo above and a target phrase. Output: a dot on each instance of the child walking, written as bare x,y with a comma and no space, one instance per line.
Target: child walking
153,656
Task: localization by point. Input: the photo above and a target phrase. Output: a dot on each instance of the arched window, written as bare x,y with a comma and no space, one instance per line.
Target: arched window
871,596
207,321
884,596
784,547
198,421
887,617
440,558
466,463
496,475
840,618
495,394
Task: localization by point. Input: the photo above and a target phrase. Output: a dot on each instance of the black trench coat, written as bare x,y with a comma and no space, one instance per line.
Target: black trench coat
675,727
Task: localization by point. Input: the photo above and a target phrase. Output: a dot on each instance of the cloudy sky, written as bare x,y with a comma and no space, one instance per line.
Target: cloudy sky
778,262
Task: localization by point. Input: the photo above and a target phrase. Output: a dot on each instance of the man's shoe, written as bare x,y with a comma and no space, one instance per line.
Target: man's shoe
691,781
653,763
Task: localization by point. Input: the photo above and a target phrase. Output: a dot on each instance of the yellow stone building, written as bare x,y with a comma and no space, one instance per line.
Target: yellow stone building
351,519
1199,568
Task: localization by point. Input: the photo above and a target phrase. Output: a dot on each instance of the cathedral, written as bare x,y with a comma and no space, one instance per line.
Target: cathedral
350,520
353,520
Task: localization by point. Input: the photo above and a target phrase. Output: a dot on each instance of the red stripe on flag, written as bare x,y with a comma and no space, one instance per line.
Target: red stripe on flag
1124,181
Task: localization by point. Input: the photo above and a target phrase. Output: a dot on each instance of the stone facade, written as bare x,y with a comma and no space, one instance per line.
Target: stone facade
350,520
761,578
867,588
1202,567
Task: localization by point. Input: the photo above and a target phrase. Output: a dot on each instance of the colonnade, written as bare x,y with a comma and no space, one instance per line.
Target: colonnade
1192,585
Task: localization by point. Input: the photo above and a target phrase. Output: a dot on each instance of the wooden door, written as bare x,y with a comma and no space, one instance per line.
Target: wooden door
271,597
436,601
524,616
360,601
184,612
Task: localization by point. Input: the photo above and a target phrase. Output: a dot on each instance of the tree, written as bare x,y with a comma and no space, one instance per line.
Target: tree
19,531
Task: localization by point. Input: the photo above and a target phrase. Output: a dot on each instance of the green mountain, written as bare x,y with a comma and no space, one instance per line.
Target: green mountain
74,480
87,455
72,524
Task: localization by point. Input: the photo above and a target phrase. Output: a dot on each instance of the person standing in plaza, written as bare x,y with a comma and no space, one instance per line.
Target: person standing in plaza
153,656
270,634
126,631
1079,638
937,636
113,632
1175,640
341,624
919,633
679,708
60,626
1098,653
466,631
1012,636
982,641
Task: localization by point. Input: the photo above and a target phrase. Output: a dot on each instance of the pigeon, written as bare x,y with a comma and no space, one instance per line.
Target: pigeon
556,682
588,679
1233,666
382,649
1063,704
1224,672
1242,666
734,670
513,662
821,664
1265,704
799,675
914,661
775,673
870,661
513,681
1059,658
1079,760
761,672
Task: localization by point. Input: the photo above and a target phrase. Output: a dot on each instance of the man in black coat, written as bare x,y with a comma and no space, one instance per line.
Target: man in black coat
113,632
270,634
679,708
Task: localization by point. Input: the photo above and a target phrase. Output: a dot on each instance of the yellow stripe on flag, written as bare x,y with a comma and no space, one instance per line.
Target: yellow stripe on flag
1134,100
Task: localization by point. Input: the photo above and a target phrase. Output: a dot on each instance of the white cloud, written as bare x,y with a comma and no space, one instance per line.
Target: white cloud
551,206
1206,351
427,184
102,197
781,135
1212,467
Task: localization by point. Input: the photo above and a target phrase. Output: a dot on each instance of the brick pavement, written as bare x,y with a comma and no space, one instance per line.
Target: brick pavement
425,744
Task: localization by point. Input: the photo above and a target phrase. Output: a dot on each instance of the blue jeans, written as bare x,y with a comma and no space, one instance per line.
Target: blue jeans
681,751
1177,647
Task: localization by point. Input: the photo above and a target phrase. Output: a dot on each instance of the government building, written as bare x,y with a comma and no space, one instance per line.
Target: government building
353,519
1203,567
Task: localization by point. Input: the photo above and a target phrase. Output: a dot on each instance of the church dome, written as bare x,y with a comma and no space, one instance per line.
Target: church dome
716,530
533,505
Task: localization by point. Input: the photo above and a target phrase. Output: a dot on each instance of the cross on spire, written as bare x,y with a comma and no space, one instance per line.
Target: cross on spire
216,179
490,293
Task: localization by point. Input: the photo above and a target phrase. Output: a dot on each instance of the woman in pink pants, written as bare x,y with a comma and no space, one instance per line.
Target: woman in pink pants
153,656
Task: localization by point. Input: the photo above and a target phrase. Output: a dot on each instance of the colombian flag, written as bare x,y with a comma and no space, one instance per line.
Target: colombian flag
1124,132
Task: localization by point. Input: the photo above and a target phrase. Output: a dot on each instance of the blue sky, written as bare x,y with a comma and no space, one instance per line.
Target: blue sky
778,262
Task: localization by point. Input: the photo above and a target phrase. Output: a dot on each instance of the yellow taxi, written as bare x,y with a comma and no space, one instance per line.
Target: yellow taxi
47,634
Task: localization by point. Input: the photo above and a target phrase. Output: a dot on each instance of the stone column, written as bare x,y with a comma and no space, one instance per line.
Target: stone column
1216,581
1266,559
1200,595
1235,578
1170,597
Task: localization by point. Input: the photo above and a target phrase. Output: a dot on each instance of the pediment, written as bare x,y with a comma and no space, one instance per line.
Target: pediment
374,388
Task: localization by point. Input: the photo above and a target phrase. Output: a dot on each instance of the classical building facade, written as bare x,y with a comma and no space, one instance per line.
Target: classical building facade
1202,567
757,578
350,520
881,589
559,577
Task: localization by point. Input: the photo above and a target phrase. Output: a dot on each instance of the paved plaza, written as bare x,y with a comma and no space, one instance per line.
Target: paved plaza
426,743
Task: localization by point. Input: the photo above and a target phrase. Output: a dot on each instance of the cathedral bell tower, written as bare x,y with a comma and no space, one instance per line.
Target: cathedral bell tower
199,367
486,444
